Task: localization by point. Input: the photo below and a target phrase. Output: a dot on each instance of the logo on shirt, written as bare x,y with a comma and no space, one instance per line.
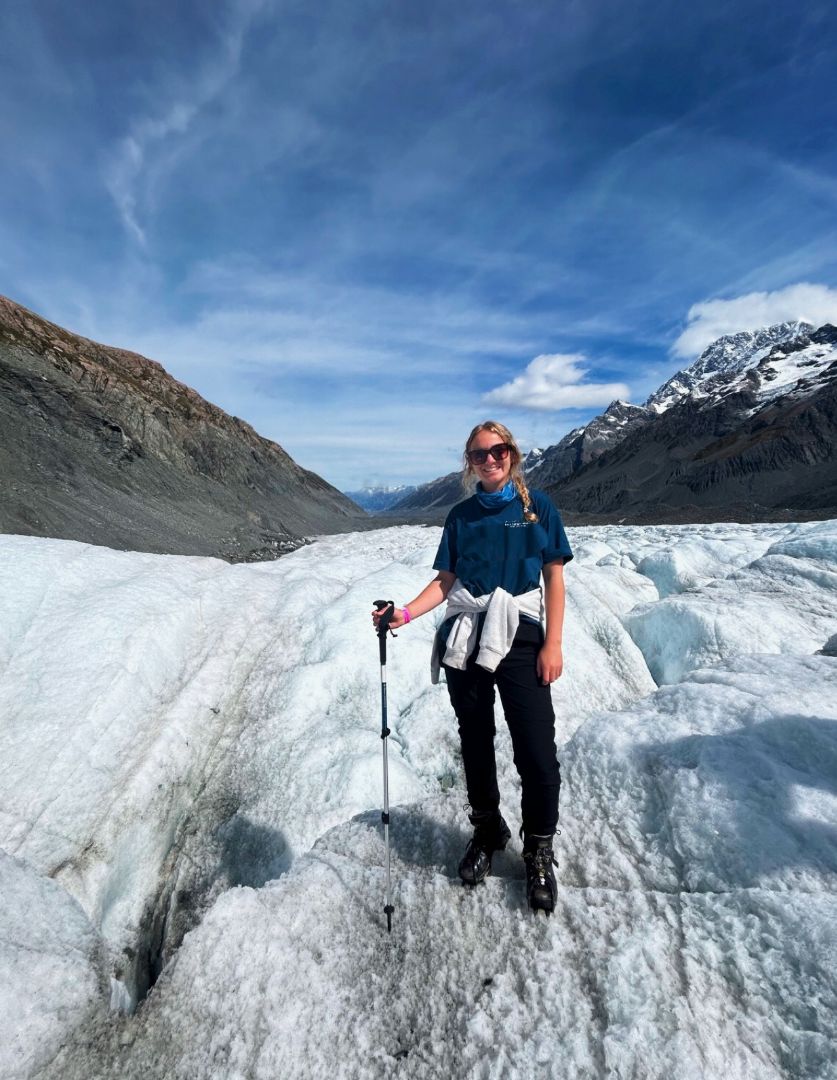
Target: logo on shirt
517,524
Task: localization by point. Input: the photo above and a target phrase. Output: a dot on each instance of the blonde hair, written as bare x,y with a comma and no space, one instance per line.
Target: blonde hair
516,472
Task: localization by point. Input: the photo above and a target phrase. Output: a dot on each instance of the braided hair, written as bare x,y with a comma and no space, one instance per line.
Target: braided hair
516,472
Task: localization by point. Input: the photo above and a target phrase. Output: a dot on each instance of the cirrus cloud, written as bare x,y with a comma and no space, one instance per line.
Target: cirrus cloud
552,382
129,161
711,319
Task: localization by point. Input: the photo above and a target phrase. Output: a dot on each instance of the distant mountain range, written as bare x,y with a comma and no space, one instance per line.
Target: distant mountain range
745,433
102,445
374,500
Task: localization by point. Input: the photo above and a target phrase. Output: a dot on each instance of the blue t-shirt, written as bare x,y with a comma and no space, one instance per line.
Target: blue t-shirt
498,547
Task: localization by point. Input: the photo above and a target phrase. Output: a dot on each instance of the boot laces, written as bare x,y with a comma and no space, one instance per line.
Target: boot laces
541,858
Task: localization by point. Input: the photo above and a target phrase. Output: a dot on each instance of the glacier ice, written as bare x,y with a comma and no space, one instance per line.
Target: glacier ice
192,746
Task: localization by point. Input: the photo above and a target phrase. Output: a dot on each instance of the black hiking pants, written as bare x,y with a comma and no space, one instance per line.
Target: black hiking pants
527,705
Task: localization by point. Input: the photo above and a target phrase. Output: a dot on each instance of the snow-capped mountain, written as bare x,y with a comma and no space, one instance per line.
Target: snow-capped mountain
709,377
798,366
751,443
727,356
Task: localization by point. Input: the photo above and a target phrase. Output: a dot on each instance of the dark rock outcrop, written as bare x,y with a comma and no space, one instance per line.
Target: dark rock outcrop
102,445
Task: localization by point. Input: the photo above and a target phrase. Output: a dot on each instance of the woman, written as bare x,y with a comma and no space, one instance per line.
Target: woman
494,549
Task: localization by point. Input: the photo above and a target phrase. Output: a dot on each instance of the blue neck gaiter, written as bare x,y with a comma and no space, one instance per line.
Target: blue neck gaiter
492,499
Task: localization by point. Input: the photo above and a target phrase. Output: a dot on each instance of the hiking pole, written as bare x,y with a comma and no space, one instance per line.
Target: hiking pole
387,609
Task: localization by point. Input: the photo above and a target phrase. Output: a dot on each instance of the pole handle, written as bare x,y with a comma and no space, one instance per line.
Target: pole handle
387,607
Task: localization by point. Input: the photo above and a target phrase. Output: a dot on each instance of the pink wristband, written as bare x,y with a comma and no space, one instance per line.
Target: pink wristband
407,615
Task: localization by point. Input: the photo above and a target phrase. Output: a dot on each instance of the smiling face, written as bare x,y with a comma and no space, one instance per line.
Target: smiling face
492,474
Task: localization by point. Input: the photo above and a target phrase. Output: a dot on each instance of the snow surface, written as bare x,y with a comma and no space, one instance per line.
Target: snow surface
53,975
192,748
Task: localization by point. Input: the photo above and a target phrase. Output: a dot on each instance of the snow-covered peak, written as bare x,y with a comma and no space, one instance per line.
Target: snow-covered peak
620,412
726,356
802,364
735,352
532,459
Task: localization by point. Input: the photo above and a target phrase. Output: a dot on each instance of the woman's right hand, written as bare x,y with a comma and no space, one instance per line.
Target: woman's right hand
396,620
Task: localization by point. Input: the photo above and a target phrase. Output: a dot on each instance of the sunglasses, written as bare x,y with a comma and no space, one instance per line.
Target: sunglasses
499,451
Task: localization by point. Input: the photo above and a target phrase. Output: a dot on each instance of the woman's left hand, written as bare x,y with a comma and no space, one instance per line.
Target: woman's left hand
550,663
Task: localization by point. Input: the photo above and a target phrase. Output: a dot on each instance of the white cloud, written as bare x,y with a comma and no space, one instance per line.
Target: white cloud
552,382
711,319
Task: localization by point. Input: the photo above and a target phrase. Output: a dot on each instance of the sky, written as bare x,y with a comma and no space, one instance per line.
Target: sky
365,227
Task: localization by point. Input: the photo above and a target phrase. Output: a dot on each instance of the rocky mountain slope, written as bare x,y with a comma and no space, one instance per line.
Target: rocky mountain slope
102,445
429,501
585,444
745,433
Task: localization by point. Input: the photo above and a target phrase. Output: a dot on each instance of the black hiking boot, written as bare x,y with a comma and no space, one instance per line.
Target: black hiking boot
491,834
541,889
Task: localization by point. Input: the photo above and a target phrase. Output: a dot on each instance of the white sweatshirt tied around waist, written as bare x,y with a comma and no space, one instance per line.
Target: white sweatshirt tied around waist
502,618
